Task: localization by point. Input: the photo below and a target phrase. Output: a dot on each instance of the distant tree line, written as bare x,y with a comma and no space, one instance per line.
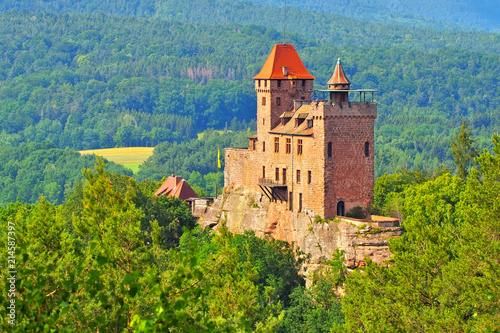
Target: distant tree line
31,170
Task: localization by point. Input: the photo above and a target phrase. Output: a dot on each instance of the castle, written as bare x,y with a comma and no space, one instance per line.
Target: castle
313,151
312,157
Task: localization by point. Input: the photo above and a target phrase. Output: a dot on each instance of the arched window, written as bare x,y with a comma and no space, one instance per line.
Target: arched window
367,149
340,208
329,149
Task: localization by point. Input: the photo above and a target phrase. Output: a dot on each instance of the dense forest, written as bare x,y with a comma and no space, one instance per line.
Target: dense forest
31,170
114,257
442,14
89,80
457,14
95,251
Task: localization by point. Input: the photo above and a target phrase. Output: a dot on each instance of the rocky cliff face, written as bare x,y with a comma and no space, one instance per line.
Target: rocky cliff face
247,210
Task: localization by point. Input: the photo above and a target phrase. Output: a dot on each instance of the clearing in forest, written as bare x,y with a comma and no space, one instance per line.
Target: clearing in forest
130,157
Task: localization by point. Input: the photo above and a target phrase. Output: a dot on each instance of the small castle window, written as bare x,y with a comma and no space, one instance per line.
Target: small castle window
278,101
309,177
278,83
329,149
367,149
252,144
300,202
263,101
290,201
263,145
303,83
288,145
263,171
310,123
299,147
277,174
265,83
258,82
298,176
276,145
284,176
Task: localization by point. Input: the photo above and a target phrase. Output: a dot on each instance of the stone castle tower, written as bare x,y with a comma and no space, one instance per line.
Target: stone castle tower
313,151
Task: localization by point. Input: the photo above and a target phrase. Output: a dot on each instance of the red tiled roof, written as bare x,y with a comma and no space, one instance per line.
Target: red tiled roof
283,55
175,186
338,76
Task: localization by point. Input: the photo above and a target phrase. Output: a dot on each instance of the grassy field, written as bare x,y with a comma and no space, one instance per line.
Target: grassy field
130,157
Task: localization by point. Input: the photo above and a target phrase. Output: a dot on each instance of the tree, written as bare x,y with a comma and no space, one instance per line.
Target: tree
444,271
464,150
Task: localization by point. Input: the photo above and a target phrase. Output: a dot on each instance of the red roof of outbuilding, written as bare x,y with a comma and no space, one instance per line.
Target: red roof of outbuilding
283,55
175,186
338,76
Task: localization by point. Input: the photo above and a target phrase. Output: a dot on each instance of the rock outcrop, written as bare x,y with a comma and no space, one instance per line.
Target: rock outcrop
359,239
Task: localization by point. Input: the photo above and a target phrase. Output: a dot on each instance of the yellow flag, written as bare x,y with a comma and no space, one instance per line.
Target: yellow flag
218,158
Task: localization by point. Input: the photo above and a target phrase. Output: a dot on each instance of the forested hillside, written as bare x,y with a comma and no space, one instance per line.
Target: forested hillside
92,80
32,170
456,14
92,249
114,257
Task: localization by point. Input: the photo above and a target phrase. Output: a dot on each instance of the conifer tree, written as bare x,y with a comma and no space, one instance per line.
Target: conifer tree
464,150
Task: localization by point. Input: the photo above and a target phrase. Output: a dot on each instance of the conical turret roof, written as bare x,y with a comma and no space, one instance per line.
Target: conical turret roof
283,63
338,76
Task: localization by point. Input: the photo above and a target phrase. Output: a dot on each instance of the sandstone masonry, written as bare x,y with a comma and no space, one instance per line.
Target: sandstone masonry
312,159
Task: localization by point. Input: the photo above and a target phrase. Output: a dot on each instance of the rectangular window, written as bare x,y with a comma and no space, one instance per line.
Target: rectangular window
299,147
284,176
276,145
278,83
263,172
263,101
300,202
259,83
290,201
278,101
298,176
310,123
288,146
309,177
252,144
277,174
329,149
303,83
265,83
263,145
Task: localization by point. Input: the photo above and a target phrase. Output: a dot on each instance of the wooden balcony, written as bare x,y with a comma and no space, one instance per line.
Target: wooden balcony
274,190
